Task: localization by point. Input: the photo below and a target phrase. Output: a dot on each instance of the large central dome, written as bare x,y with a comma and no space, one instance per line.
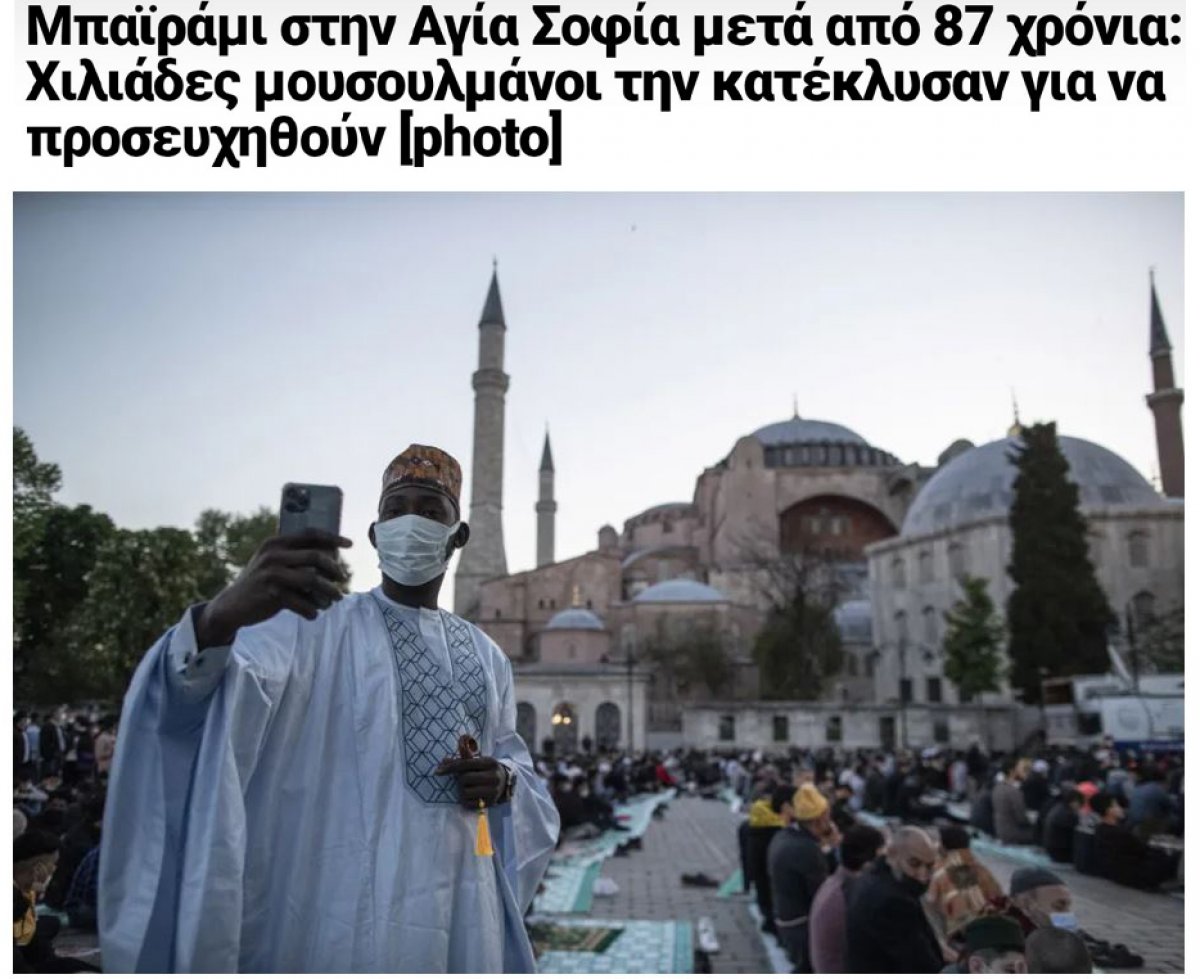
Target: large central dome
796,431
978,484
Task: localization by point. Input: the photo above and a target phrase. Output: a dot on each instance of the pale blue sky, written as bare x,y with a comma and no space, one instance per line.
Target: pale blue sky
175,352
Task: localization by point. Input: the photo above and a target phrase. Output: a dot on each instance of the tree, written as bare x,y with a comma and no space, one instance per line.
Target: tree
799,648
1058,616
140,585
54,574
1158,644
696,662
972,643
34,485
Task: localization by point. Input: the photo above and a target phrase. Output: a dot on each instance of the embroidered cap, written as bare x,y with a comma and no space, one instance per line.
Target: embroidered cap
424,465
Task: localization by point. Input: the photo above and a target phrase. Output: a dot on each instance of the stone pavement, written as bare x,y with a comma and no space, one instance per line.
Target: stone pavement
698,835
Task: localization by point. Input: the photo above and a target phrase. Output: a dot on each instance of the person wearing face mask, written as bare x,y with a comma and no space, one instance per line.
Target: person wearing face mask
312,782
887,930
1039,898
35,855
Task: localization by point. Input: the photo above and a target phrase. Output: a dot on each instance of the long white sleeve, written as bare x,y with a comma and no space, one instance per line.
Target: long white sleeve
193,674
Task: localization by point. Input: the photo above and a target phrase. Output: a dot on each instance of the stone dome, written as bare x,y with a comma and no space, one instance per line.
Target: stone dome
576,618
977,485
681,590
853,620
800,430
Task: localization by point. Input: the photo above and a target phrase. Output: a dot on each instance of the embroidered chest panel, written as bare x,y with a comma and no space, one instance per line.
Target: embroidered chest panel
434,713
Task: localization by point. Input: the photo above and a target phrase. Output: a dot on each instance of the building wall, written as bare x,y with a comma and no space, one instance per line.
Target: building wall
546,691
909,575
811,725
573,647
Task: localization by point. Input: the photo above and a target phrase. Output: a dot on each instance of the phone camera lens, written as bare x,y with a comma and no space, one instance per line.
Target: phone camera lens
296,500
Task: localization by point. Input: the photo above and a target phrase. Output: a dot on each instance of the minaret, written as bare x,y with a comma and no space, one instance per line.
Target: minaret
1165,403
545,507
483,557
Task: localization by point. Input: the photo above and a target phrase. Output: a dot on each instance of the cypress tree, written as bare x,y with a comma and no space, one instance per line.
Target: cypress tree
1058,615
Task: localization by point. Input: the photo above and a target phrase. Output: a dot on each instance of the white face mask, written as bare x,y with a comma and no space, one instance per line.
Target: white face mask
412,549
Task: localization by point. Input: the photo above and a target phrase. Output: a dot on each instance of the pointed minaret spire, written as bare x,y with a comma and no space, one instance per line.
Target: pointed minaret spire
546,506
1158,329
485,557
1165,402
493,309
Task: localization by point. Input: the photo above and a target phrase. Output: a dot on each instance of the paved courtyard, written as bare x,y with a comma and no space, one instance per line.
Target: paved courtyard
698,835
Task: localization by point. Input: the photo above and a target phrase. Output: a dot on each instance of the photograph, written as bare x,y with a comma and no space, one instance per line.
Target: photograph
598,582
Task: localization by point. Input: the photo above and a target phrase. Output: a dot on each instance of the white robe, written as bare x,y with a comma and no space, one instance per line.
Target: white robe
269,807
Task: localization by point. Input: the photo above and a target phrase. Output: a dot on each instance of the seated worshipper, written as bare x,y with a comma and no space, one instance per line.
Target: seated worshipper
1008,805
765,821
962,888
312,782
1038,898
82,899
887,930
35,854
1122,856
842,813
1036,787
1058,834
797,864
76,843
1151,809
827,919
983,816
1057,950
993,944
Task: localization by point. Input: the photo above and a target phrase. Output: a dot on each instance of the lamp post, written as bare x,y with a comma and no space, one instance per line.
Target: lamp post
629,662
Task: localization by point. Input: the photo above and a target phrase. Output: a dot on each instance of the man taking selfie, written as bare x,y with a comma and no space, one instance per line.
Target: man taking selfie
312,782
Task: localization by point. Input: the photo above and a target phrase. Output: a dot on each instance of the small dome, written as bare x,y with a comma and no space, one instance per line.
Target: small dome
978,484
853,620
682,591
576,618
796,430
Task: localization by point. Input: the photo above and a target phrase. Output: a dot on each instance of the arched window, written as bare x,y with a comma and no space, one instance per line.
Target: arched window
608,726
925,567
1139,549
931,626
1143,610
527,724
958,560
898,576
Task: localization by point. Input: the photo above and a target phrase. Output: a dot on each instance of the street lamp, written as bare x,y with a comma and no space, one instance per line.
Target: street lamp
629,662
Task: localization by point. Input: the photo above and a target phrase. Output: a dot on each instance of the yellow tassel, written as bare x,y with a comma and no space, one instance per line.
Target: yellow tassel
483,836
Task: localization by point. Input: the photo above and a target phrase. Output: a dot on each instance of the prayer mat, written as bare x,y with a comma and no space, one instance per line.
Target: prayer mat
549,936
641,946
732,885
568,888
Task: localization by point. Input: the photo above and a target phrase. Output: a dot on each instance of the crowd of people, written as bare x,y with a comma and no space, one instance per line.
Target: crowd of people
862,861
61,760
858,861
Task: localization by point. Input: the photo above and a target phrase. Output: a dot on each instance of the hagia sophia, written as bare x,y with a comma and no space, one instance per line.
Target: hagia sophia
893,539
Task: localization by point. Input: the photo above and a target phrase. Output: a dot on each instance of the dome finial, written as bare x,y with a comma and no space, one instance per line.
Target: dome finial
576,597
1016,429
795,407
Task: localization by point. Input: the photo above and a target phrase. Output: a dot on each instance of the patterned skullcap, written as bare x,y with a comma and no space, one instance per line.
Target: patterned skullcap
424,465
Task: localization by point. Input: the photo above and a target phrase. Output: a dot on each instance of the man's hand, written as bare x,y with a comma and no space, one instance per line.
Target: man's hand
298,572
479,780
